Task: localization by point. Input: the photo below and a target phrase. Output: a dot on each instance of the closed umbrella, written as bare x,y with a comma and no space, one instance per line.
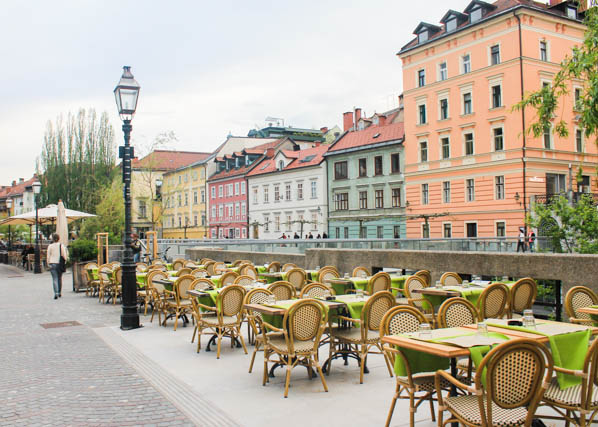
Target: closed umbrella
62,228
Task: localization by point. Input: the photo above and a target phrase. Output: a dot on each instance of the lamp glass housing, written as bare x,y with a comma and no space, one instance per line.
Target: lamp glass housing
126,94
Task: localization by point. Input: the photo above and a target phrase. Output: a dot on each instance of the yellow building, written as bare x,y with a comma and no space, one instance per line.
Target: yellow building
184,202
147,186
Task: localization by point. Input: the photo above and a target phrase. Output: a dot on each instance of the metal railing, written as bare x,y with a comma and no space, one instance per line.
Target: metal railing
298,246
547,199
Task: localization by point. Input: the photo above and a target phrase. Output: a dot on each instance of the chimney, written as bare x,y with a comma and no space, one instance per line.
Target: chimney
401,101
357,115
270,152
381,120
347,121
21,180
14,183
324,129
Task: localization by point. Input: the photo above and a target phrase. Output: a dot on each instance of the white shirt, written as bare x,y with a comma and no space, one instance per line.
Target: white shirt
54,251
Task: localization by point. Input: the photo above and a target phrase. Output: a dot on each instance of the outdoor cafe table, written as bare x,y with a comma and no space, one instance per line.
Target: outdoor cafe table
341,284
472,293
281,275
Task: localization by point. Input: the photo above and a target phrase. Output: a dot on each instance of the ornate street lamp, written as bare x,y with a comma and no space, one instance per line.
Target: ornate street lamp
8,206
37,266
126,94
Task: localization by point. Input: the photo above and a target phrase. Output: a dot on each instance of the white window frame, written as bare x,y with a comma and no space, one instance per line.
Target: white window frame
467,191
255,195
504,142
425,105
496,222
583,141
417,77
440,150
477,229
504,188
266,192
544,40
439,71
472,132
419,151
462,62
423,225
447,223
314,189
446,199
421,192
463,90
300,190
500,59
242,187
550,138
443,97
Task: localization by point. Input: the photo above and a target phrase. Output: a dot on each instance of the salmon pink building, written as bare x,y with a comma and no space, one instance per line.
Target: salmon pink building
471,171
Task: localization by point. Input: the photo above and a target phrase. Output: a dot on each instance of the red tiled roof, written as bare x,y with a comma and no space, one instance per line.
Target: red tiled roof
18,188
169,160
268,165
501,6
390,132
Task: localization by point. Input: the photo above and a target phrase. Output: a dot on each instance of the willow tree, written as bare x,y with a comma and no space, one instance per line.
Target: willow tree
77,162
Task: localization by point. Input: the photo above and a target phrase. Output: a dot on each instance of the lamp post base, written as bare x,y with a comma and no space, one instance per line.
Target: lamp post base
129,319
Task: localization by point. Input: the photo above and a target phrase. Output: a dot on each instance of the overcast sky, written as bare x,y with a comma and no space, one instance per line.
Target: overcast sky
205,68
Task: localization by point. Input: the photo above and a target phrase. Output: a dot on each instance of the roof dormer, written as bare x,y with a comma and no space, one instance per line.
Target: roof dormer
569,8
424,31
477,9
452,19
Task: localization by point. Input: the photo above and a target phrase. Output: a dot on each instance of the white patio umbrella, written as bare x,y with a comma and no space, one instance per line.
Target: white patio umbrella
62,228
47,215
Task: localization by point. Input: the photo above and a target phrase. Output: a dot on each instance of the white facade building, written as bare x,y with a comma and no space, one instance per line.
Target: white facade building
288,194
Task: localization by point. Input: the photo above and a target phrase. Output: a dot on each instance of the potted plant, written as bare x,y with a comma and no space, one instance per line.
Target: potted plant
81,251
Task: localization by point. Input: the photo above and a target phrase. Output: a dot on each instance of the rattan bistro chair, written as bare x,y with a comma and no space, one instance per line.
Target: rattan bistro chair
578,297
244,280
297,278
106,281
361,272
450,279
228,278
516,373
327,273
274,267
402,319
282,290
228,318
362,340
156,290
377,283
140,267
93,284
179,303
316,290
577,404
199,272
523,294
493,301
287,267
183,271
303,325
177,264
248,270
254,320
426,275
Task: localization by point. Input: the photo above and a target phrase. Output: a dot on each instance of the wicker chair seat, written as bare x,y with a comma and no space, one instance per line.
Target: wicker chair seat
183,302
271,335
354,335
403,301
570,396
423,381
279,344
226,320
468,408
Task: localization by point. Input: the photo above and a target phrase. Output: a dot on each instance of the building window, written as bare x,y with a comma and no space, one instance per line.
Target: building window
299,191
425,231
180,218
287,192
443,73
203,220
213,192
243,233
547,138
363,168
346,232
363,233
195,197
220,191
314,189
423,151
395,163
500,229
236,188
396,197
213,212
446,192
471,229
280,165
243,187
422,37
276,223
266,223
444,111
186,199
496,96
142,209
179,199
289,223
572,12
255,196
543,50
266,197
421,78
378,165
195,220
340,170
447,230
243,209
577,100
583,184
422,114
338,232
363,200
314,221
230,189
451,25
341,202
498,139
475,15
468,144
467,104
579,141
379,232
495,55
470,190
203,196
276,193
466,61
499,183
446,147
425,199
237,210
379,198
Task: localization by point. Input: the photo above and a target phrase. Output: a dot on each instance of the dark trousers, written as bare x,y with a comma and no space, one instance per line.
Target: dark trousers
56,278
521,245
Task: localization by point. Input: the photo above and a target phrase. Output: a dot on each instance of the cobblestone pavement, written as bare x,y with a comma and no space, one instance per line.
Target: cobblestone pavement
67,375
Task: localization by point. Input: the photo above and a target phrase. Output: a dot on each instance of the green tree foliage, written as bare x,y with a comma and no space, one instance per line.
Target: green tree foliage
570,227
83,250
77,160
110,215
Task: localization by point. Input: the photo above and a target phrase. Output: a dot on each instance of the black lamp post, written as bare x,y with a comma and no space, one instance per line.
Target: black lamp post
126,94
37,267
8,206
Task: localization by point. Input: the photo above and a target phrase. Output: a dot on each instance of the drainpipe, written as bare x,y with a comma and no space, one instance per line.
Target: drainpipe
523,161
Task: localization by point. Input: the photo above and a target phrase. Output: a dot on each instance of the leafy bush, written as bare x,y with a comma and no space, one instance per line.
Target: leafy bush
83,250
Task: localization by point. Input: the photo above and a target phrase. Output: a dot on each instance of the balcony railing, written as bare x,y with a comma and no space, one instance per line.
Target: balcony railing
546,199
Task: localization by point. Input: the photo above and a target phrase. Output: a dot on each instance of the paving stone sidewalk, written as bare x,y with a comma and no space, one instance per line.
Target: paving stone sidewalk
67,375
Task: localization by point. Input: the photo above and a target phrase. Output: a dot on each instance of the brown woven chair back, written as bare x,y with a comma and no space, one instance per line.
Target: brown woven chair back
378,282
523,294
244,280
282,290
274,267
414,282
219,267
201,284
160,267
331,267
182,285
375,308
231,300
327,273
515,371
361,272
157,262
203,261
156,275
118,275
140,267
237,262
493,301
578,297
199,272
305,319
228,278
177,264
450,279
105,273
115,264
183,271
426,275
256,296
288,266
316,290
210,267
401,319
191,264
248,270
296,277
456,312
